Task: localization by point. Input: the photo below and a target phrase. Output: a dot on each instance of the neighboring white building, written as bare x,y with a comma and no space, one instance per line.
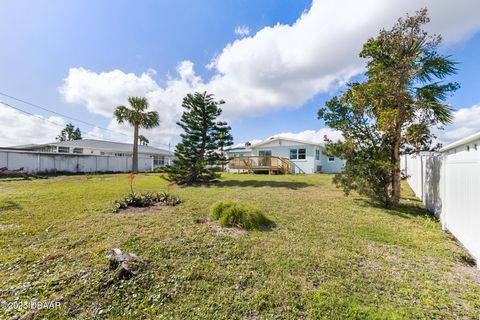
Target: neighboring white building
304,157
448,182
153,157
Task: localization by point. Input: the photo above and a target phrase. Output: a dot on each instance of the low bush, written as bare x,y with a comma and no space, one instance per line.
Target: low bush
234,214
158,169
141,200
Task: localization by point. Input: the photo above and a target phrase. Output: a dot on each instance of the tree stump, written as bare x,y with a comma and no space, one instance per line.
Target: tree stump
126,264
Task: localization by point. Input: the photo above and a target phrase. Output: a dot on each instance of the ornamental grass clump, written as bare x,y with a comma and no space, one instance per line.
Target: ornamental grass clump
234,214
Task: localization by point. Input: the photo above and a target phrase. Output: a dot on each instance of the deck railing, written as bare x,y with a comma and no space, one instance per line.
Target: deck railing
260,163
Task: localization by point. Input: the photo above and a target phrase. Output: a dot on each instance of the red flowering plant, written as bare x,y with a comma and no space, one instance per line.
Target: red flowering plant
131,176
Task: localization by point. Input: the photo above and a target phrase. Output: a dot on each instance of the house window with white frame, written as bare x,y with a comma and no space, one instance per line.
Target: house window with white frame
317,154
298,154
158,161
63,149
331,159
77,150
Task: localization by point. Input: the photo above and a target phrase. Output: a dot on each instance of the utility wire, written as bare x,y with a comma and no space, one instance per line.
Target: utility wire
48,120
42,118
60,114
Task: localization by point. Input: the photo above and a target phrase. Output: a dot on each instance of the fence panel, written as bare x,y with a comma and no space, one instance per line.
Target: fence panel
449,186
38,162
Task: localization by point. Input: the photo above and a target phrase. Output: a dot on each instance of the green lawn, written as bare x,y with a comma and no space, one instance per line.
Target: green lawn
330,256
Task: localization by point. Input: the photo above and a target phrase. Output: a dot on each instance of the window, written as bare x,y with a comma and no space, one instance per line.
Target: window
331,159
293,154
64,149
468,148
475,146
317,154
300,154
120,155
158,161
77,150
102,153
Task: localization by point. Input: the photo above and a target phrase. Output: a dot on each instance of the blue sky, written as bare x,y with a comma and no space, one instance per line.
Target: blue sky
82,58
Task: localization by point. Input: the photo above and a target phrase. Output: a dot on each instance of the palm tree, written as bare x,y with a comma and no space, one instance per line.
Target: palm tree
70,133
143,140
138,117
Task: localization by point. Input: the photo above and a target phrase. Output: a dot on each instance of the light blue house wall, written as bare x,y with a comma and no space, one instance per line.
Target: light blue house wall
315,160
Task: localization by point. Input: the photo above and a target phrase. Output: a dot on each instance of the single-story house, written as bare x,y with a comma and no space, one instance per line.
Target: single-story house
298,156
153,157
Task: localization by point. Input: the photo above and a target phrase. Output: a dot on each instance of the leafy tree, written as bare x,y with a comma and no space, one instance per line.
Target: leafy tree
393,110
198,153
143,141
69,133
138,117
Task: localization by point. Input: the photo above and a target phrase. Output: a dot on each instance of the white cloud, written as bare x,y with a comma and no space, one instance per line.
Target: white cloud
17,128
312,135
466,122
280,66
242,31
102,92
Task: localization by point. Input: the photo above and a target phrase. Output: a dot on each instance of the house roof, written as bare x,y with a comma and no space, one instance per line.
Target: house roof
100,145
460,142
238,149
286,139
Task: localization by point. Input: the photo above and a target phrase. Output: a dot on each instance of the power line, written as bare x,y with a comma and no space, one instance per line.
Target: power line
42,118
60,114
58,124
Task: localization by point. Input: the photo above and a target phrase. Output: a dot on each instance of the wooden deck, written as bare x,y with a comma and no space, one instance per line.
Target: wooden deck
254,164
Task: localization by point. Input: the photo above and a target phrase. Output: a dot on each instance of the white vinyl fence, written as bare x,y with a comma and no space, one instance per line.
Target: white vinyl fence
44,162
448,183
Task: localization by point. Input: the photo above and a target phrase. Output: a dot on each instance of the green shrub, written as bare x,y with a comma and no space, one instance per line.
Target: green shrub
142,200
233,214
218,208
158,169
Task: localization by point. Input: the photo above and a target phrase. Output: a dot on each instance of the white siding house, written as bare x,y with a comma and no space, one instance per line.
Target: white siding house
160,157
85,155
304,157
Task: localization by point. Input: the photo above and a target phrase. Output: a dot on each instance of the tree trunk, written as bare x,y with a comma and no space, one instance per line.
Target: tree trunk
396,177
135,150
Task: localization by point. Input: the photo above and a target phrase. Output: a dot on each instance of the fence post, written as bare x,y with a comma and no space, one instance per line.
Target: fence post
421,178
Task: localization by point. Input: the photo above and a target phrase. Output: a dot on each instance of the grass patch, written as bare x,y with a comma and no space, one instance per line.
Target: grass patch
330,256
234,214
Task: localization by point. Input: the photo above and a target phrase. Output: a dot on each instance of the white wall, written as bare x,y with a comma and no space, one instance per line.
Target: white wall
449,185
335,166
33,161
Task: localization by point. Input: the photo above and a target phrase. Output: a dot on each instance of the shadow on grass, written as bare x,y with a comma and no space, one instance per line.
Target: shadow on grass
9,205
258,183
404,210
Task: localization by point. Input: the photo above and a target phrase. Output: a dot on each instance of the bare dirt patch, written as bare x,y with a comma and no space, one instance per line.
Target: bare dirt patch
154,207
232,232
8,226
469,272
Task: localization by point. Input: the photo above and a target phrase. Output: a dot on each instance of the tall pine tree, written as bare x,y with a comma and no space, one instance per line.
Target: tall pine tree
202,141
